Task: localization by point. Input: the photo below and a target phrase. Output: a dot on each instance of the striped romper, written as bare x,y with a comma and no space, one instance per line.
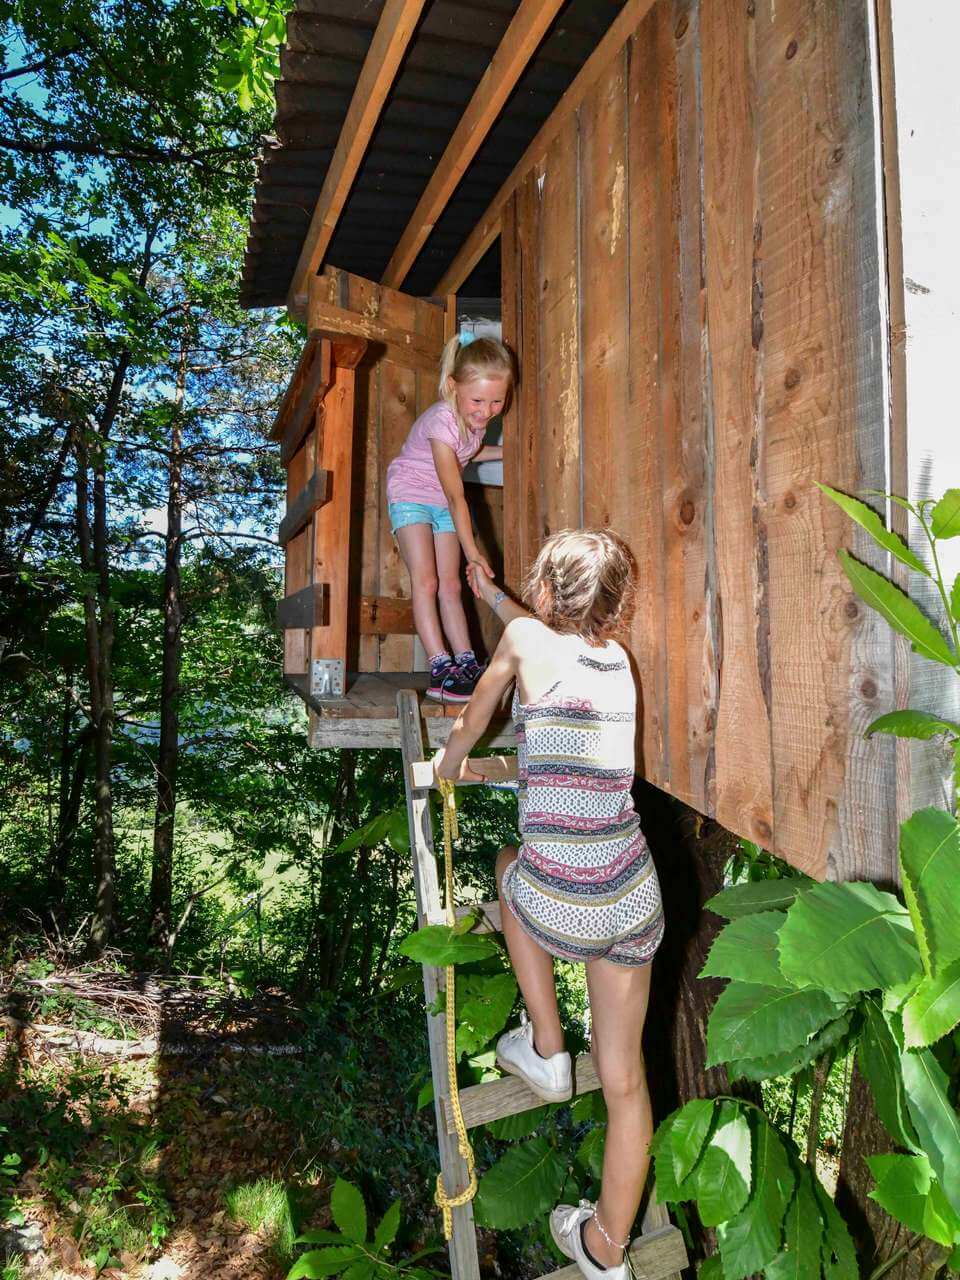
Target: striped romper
583,884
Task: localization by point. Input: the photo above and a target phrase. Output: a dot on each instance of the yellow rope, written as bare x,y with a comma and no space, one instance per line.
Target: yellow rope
445,1202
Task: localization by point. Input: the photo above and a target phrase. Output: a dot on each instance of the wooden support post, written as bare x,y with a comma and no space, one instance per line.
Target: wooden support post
464,1263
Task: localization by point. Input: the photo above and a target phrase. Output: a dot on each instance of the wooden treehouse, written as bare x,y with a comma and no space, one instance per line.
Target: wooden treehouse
705,228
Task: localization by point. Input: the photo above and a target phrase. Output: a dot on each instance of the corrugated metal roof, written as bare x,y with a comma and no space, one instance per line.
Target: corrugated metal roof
327,41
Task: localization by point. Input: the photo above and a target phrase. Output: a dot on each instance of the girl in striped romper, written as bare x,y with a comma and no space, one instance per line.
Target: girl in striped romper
582,886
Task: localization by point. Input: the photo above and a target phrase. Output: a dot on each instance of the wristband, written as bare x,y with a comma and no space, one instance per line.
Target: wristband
498,600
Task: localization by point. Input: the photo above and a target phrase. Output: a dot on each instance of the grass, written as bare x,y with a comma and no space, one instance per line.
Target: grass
266,1205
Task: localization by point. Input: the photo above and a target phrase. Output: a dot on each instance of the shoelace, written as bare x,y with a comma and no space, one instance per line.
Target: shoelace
571,1220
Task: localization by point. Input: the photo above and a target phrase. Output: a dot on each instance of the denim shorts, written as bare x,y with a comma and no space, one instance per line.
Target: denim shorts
433,514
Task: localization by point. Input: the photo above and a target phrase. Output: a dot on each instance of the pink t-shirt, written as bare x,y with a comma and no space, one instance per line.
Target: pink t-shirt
412,476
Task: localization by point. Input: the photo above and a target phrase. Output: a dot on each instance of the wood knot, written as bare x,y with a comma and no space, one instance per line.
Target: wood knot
851,609
687,511
791,49
762,830
791,379
790,501
680,30
836,155
751,9
869,688
402,397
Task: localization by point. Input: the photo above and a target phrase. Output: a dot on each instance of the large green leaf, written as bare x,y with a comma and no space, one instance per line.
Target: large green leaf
386,1232
848,937
669,1191
930,863
907,1189
799,1257
758,895
689,1133
794,1060
945,518
868,519
912,724
484,1002
439,944
711,1268
878,1055
838,1254
590,1151
749,1241
521,1125
349,1211
746,949
521,1186
723,1175
898,609
955,598
323,1262
933,1009
758,1020
934,1118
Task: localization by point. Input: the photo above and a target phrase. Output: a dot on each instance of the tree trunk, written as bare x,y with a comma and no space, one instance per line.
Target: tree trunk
72,775
161,879
334,881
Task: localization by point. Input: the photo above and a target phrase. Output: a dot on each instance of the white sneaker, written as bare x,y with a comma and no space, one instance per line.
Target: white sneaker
550,1078
566,1223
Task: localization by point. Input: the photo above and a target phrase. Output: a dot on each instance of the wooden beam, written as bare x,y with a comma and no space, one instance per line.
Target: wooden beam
313,495
386,616
492,769
310,379
306,608
324,315
390,40
520,41
488,228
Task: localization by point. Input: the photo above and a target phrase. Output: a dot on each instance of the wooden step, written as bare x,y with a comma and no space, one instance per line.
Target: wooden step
493,769
494,1099
656,1255
489,921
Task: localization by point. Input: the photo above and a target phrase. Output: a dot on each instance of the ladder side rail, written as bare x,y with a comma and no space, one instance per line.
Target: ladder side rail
464,1263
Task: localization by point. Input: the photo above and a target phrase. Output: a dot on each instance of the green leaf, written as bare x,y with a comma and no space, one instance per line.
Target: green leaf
838,1255
321,1235
878,1055
485,1008
362,1269
909,1192
661,1149
752,1238
589,1106
723,1175
929,863
945,520
398,833
955,598
323,1262
590,1151
711,1268
912,724
688,1135
349,1211
521,1186
898,609
794,1060
746,949
762,1020
848,937
936,1122
521,1125
425,1095
386,1232
437,944
799,1258
933,1009
868,519
759,895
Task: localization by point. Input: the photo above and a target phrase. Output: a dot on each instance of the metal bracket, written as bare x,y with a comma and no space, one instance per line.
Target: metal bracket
326,678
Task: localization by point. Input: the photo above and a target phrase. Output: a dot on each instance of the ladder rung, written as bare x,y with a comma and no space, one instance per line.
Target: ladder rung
495,769
656,1255
494,1099
489,921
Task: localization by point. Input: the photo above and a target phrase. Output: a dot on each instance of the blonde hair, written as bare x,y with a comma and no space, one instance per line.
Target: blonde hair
583,582
464,362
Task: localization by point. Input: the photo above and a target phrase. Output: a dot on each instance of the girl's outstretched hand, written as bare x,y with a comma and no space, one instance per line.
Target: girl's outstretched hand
463,774
477,570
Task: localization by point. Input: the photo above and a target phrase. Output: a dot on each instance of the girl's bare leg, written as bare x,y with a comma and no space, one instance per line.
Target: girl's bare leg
618,1007
534,969
416,546
447,550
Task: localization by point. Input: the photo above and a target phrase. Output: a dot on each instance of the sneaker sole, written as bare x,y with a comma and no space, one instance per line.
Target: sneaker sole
546,1095
443,696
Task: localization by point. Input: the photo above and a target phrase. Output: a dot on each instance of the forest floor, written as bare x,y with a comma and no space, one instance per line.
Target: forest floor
163,1130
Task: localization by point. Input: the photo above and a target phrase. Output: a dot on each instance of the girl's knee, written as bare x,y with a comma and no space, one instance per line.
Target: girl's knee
506,855
620,1081
425,586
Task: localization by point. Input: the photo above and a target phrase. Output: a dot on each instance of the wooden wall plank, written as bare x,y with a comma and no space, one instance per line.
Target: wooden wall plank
558,464
825,419
510,286
369,501
525,481
744,771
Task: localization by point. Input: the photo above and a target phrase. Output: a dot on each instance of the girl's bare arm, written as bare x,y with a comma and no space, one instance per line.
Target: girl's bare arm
474,718
451,481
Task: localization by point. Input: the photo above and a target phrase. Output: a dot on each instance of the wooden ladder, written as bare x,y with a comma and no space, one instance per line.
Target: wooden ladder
659,1252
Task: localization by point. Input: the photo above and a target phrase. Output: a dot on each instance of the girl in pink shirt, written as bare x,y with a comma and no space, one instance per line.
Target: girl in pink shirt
428,510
